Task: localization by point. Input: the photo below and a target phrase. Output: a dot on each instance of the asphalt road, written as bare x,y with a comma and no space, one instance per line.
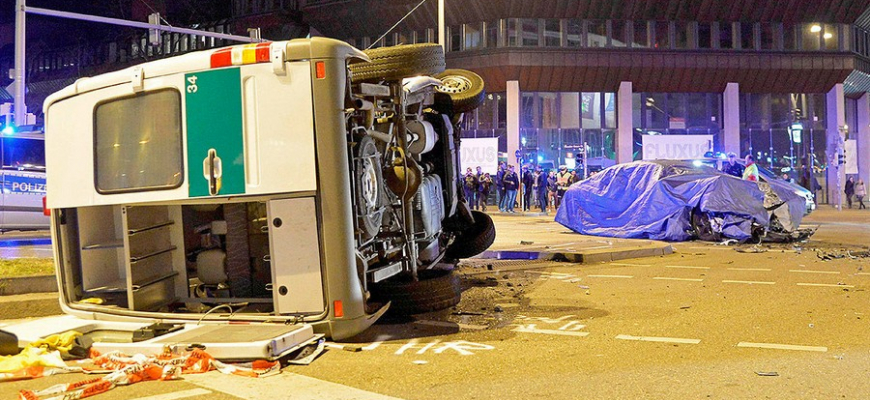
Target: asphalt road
705,322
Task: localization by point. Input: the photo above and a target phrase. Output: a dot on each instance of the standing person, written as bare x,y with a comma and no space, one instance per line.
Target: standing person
860,192
552,190
849,190
528,187
563,180
469,185
510,182
478,174
732,167
484,185
499,186
541,189
750,173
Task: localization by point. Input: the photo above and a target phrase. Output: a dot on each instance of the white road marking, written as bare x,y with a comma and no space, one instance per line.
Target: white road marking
685,267
530,328
825,285
750,282
282,386
807,271
630,265
750,269
776,346
668,278
610,276
451,325
659,339
712,248
177,395
864,273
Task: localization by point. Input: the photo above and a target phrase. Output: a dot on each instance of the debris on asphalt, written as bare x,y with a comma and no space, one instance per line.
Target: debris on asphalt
345,347
420,362
685,307
752,249
498,309
308,353
728,242
526,242
460,312
583,287
766,373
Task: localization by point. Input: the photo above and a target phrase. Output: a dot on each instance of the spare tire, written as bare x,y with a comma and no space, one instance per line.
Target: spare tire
461,91
397,62
474,239
435,290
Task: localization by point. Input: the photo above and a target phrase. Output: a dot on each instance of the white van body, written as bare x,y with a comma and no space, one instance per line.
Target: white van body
233,199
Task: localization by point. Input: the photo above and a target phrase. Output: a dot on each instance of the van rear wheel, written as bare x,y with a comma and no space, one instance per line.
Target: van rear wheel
397,62
462,91
435,290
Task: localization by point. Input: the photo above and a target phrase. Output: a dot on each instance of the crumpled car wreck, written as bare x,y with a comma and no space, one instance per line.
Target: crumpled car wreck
677,201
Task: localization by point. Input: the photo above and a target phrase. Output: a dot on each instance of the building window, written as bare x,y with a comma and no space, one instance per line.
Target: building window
641,34
454,36
790,38
747,36
512,33
472,36
596,33
492,30
662,39
705,35
574,32
810,36
552,33
771,36
531,32
618,33
684,35
831,37
726,35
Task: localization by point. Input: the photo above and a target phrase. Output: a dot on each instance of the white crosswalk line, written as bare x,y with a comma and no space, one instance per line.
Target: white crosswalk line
177,395
777,346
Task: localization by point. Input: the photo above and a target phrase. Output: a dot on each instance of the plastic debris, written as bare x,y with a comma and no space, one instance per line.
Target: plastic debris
308,353
526,242
753,249
766,373
728,242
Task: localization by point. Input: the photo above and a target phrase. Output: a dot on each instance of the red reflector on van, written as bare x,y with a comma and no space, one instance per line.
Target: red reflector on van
320,69
338,308
45,210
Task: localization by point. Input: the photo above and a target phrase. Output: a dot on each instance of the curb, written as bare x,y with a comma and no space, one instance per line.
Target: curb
28,284
578,257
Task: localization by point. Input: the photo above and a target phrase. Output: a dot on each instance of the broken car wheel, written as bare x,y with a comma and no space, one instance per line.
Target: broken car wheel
474,239
435,290
397,62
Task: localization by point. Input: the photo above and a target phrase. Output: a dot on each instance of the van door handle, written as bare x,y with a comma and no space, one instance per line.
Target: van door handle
212,171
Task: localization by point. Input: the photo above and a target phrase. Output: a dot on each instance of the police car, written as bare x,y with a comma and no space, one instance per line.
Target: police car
23,181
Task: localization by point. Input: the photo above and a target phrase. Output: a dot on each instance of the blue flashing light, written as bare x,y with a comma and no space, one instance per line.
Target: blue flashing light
697,163
8,130
540,159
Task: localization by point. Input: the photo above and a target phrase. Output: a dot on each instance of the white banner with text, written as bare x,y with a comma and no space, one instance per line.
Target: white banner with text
676,147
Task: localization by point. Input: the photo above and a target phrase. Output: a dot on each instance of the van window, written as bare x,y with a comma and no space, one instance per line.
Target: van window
137,142
26,154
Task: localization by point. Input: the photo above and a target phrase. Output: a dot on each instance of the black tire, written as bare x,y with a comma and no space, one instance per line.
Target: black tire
369,187
435,290
397,62
462,91
703,228
475,239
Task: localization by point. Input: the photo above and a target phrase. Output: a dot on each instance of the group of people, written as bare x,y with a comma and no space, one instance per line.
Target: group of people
544,188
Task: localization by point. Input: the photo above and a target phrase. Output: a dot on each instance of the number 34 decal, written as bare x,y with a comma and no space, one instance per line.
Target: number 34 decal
191,84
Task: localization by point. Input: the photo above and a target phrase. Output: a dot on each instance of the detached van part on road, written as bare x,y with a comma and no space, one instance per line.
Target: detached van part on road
247,198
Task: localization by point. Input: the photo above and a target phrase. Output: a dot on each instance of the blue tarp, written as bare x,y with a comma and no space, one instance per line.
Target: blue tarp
655,200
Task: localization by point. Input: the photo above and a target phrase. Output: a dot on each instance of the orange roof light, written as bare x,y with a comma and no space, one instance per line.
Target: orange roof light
241,55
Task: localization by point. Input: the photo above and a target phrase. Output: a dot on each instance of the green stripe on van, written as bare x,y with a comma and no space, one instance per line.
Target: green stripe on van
213,101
